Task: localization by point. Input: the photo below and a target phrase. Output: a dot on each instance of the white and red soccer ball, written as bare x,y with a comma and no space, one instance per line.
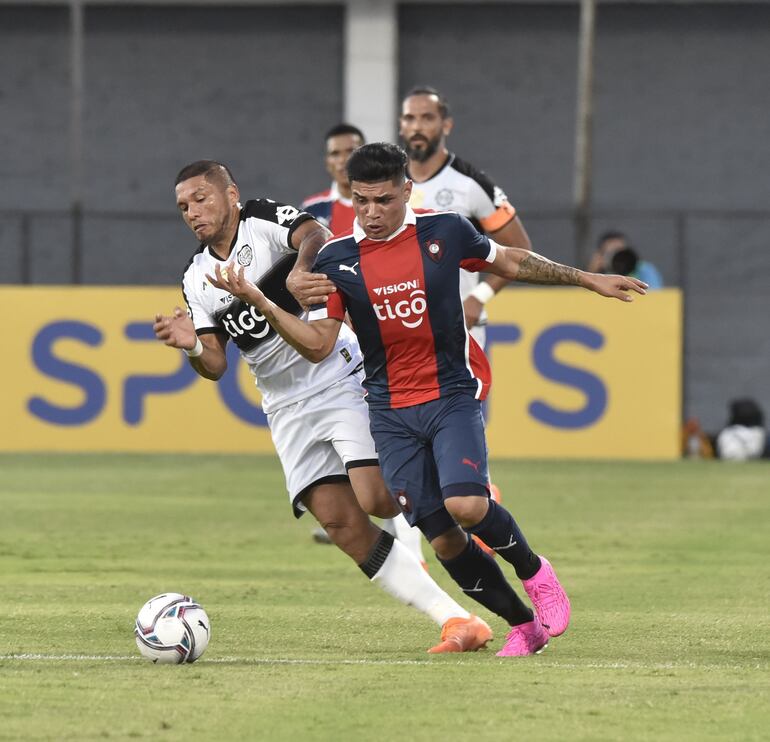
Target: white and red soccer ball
171,629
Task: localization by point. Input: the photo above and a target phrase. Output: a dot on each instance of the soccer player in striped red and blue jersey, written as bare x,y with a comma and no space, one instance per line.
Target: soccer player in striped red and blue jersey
334,209
397,277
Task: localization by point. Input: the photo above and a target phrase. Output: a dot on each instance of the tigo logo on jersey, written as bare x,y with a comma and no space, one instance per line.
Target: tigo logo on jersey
245,325
409,311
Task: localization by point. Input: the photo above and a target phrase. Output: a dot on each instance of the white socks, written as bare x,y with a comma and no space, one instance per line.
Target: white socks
403,577
408,536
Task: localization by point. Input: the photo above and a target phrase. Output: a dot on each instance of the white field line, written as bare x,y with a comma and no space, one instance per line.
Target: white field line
287,661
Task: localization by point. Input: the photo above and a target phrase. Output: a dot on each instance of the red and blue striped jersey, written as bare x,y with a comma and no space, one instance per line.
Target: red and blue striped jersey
331,209
403,298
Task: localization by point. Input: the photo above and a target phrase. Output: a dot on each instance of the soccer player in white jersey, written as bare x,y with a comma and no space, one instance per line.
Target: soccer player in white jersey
316,412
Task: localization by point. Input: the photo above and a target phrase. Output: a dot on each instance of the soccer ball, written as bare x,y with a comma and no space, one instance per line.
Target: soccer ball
171,629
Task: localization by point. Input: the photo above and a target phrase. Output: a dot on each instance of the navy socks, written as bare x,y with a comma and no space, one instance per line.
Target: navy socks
480,578
498,530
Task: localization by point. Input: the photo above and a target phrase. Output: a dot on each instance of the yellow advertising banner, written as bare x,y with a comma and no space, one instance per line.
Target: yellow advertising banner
84,372
574,376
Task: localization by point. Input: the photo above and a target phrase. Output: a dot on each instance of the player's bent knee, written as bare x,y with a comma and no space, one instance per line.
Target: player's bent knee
450,544
355,538
467,511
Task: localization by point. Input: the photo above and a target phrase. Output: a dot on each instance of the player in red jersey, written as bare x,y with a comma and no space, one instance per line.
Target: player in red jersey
397,277
333,207
442,181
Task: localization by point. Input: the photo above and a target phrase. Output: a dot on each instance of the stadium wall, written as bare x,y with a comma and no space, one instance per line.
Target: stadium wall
680,160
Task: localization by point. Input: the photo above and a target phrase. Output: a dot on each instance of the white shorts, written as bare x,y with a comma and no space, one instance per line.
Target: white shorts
319,438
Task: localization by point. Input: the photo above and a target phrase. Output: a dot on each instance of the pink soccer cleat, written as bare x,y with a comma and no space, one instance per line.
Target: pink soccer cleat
550,601
525,639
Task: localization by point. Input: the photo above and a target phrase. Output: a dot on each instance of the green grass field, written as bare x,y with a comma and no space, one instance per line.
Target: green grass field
666,566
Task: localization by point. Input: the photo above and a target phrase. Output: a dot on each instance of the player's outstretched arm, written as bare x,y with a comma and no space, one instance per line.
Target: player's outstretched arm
306,287
206,353
312,340
512,234
529,267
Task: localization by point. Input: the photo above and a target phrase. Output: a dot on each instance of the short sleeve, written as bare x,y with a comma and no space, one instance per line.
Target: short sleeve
334,308
275,219
487,202
476,249
202,319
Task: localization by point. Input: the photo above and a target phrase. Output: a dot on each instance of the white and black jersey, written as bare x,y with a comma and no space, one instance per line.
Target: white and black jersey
460,187
262,246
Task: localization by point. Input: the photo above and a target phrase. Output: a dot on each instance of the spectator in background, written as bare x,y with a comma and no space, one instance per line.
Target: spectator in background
614,254
333,207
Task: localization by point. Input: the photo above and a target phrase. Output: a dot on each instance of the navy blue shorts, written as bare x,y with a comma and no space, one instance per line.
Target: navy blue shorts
429,452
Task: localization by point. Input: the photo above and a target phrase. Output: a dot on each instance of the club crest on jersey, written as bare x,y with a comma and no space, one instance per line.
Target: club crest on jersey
434,249
245,255
403,501
444,197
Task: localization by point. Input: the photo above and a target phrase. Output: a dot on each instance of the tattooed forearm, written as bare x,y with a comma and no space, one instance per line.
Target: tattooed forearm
536,269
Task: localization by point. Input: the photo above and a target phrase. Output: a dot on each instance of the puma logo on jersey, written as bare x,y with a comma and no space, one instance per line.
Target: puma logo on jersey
351,268
473,464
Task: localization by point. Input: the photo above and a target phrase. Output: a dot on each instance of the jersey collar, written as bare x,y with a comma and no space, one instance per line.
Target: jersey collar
410,218
335,195
449,160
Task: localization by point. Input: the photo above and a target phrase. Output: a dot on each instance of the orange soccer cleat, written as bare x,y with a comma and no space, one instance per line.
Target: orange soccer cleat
463,635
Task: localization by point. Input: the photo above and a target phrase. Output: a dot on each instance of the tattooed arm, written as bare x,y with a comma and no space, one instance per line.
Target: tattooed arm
517,264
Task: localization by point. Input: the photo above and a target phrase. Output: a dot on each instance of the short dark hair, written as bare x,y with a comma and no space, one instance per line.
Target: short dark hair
443,103
612,234
373,163
213,171
344,128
